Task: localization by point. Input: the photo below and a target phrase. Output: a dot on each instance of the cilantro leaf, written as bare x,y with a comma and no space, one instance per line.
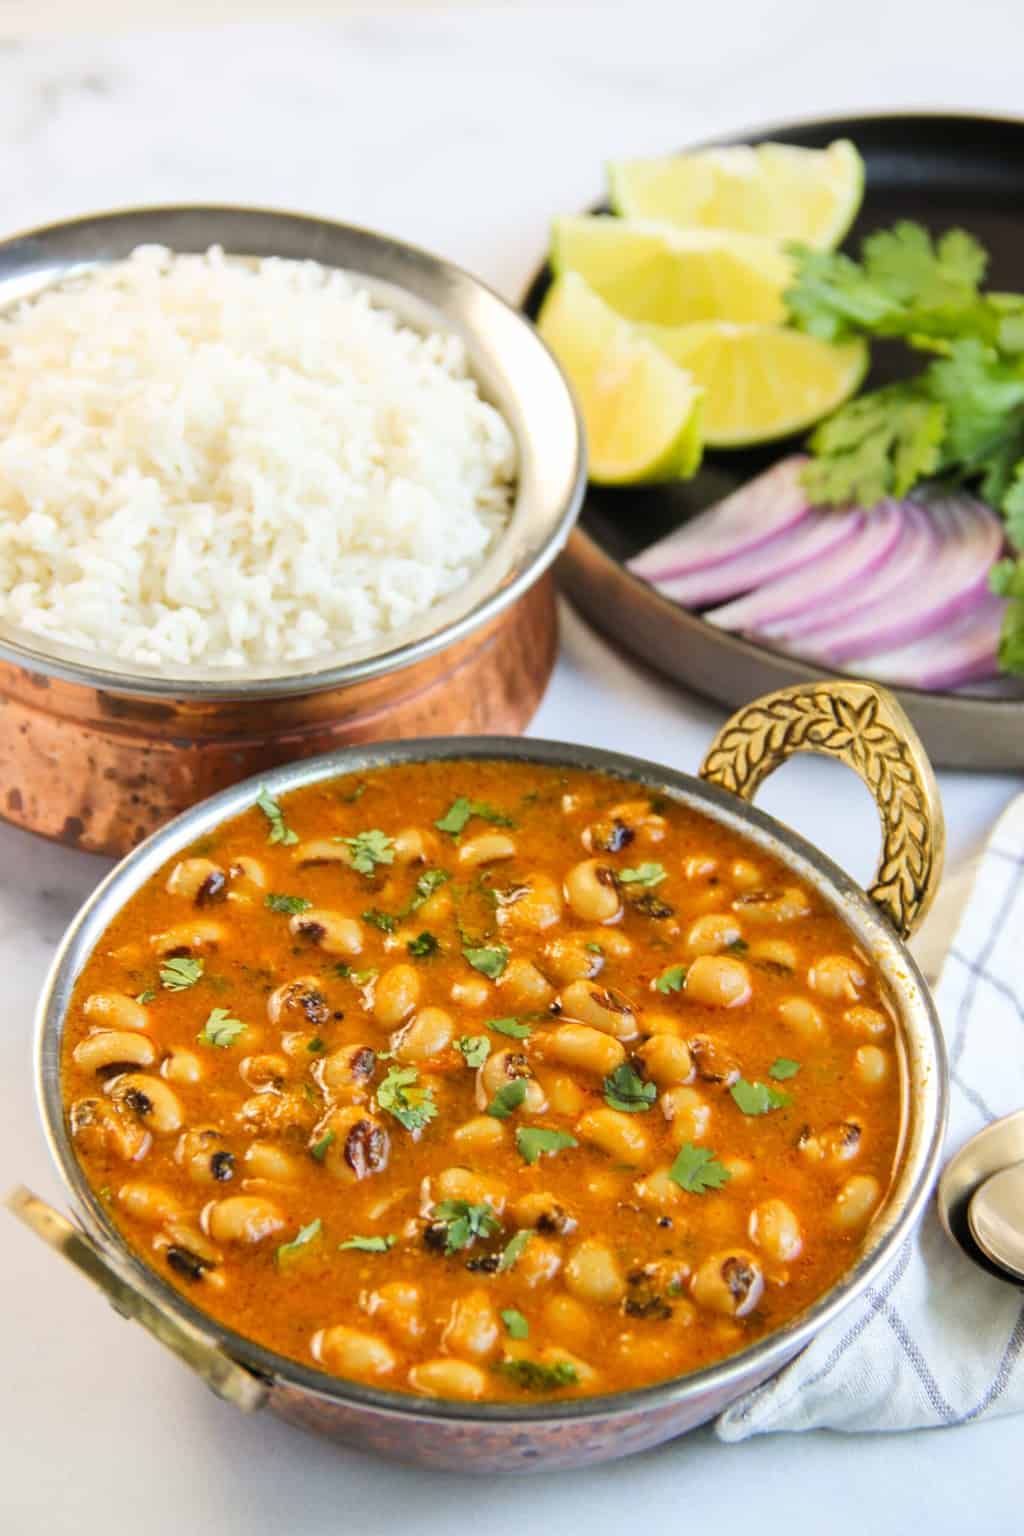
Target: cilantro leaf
1007,579
490,960
782,1068
280,831
475,1049
645,875
315,1045
757,1098
515,1322
508,1098
378,919
877,445
512,1027
535,1376
146,997
461,810
368,849
423,946
625,1090
302,1238
534,1140
399,1096
178,974
513,1250
320,1148
220,1029
287,904
430,881
1013,508
671,980
464,1222
368,1244
697,1169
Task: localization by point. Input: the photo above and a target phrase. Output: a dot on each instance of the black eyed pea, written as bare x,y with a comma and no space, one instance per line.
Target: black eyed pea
114,1010
359,1146
182,1234
774,954
773,906
602,1008
712,1061
543,1213
351,1352
774,1228
247,880
264,1071
397,1306
330,931
524,987
345,1075
414,846
718,981
564,1094
266,1160
395,996
321,850
298,1002
199,937
148,1202
619,1135
745,876
427,1034
481,1134
538,1263
667,1060
657,1190
448,1378
474,1188
503,1067
856,1201
437,908
301,1044
699,866
198,880
593,1274
871,1065
837,977
472,1327
613,944
646,825
472,991
203,1155
109,1047
182,1067
867,1021
534,907
584,1048
712,933
687,1113
106,1128
835,1145
570,958
739,1169
567,1318
801,1016
274,1113
592,892
156,1104
242,1219
486,848
729,1283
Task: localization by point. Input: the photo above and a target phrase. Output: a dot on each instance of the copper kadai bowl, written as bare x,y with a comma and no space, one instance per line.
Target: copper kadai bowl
858,724
98,756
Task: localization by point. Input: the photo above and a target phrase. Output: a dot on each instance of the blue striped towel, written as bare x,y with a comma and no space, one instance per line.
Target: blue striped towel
935,1341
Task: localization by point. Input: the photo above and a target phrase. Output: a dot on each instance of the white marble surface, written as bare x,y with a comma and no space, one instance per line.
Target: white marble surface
462,132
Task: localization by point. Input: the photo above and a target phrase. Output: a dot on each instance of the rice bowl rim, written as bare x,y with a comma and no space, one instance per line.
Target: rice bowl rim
514,370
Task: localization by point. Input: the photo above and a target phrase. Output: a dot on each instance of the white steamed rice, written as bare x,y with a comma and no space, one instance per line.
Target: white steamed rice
205,461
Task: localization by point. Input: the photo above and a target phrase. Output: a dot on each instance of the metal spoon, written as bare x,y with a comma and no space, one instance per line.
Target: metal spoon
996,1219
998,1147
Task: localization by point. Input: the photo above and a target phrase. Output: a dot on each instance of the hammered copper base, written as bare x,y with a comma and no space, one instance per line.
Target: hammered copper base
101,771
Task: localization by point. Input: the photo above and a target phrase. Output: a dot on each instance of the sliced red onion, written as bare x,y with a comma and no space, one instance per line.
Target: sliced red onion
969,538
809,540
746,520
964,651
854,562
913,554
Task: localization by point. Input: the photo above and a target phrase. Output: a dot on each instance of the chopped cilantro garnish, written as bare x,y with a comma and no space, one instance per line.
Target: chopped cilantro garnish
697,1169
594,947
475,1049
490,960
314,1045
319,1148
398,1094
515,1322
280,831
357,793
757,1098
304,1236
291,905
533,1140
146,997
782,1068
178,974
672,979
513,1027
646,875
342,969
220,1029
459,812
369,1244
626,1090
422,946
508,1098
378,919
513,1250
430,881
738,946
368,849
464,1222
535,1376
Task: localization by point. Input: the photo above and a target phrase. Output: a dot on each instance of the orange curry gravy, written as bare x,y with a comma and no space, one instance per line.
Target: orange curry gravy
349,1017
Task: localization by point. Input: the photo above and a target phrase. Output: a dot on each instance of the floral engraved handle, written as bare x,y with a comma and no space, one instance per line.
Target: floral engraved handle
864,727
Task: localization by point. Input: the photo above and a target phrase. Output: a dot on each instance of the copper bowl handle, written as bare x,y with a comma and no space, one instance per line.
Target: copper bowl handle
863,726
222,1375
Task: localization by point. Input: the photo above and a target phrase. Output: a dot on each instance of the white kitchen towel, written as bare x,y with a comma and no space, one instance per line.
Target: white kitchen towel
935,1341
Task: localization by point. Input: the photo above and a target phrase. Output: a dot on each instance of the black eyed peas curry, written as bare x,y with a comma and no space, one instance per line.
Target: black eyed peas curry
484,1080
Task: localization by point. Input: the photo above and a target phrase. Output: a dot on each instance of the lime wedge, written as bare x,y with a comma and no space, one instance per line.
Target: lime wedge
674,277
761,382
776,191
641,412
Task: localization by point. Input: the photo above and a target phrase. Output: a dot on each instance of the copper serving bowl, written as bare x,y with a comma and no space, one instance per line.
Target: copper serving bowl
98,756
860,725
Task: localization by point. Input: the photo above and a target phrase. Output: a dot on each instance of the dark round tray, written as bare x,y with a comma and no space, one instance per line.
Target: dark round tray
940,170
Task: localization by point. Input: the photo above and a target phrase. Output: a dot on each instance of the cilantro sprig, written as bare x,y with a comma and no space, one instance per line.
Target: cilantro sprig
368,849
757,1098
179,974
536,1376
697,1169
463,809
220,1029
400,1094
280,831
463,1223
625,1089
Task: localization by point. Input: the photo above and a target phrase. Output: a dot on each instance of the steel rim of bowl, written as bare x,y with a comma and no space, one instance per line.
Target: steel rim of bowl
535,399
736,1373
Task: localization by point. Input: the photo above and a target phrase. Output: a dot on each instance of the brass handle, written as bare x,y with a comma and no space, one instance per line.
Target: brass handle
864,727
222,1375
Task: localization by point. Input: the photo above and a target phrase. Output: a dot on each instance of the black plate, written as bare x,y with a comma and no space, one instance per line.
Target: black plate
940,171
